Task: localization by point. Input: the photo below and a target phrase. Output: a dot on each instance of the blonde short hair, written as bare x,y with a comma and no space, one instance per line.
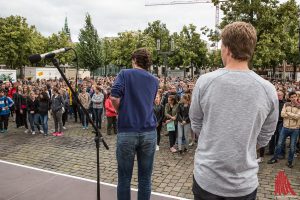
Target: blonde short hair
240,38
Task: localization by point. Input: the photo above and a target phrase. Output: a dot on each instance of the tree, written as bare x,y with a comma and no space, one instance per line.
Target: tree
276,26
158,30
214,59
57,41
17,41
89,46
123,46
287,13
191,49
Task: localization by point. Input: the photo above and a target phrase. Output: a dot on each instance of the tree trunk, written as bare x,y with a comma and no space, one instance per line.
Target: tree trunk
22,72
295,71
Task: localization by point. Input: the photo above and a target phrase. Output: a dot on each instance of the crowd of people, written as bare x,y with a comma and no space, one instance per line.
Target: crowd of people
31,103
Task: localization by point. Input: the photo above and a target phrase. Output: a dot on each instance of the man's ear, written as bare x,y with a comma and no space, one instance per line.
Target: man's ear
133,62
227,51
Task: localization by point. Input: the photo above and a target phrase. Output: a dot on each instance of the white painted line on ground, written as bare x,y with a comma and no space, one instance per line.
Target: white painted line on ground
85,179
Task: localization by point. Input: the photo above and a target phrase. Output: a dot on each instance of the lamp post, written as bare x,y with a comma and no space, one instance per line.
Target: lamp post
165,55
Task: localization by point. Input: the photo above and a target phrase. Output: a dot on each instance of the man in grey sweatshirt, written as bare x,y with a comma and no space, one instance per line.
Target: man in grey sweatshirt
234,111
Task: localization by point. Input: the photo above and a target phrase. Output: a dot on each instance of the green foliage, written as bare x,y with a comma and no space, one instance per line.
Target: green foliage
123,46
190,48
276,26
89,46
214,59
57,41
16,41
157,30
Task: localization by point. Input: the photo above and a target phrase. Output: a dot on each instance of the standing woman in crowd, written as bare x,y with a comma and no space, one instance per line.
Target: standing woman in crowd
111,114
75,106
85,100
97,101
42,114
66,101
159,114
23,110
57,107
171,116
45,89
17,99
32,109
184,123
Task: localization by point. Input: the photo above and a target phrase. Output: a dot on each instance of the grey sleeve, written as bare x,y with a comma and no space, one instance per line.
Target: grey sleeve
269,126
101,97
196,113
94,99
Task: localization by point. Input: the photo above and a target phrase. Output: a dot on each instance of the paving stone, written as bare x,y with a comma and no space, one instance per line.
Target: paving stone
75,154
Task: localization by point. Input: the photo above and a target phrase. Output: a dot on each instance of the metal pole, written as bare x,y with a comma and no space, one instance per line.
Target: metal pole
98,135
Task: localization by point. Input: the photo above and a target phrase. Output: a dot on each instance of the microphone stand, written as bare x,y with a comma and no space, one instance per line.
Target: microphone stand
98,135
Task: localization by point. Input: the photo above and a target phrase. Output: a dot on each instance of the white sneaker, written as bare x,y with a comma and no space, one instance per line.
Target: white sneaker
33,133
157,148
41,131
26,131
64,128
260,160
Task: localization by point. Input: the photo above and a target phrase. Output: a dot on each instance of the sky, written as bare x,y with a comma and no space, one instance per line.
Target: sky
108,16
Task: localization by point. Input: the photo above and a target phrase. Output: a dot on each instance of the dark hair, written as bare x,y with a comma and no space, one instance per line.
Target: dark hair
98,88
173,98
292,93
55,90
142,58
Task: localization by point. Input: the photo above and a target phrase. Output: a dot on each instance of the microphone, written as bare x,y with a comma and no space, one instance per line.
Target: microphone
35,58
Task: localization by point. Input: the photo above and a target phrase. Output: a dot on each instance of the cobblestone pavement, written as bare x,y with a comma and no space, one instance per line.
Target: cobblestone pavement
74,154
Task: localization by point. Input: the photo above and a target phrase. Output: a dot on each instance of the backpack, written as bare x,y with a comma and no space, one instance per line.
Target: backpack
5,103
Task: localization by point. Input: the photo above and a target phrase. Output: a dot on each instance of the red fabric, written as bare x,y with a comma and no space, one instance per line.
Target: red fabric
11,92
110,110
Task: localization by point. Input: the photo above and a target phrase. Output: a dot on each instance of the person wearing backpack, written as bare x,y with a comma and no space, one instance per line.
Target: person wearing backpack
5,104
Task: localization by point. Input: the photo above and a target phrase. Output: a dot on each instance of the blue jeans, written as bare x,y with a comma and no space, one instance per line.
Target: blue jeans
31,121
84,119
98,116
129,144
44,120
183,130
285,132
